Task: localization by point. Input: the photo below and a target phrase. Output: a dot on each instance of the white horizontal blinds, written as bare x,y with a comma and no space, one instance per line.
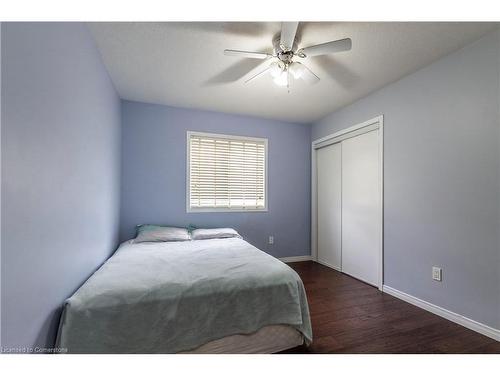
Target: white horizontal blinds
226,172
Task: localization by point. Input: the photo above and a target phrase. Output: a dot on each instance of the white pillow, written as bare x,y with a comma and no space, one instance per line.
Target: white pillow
157,233
205,234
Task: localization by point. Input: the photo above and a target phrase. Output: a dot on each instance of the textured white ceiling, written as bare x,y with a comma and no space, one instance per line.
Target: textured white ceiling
183,65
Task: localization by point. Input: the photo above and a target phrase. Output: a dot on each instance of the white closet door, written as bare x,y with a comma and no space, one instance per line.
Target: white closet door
361,207
329,174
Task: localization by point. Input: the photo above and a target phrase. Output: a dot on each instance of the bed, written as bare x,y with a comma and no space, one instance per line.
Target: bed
204,296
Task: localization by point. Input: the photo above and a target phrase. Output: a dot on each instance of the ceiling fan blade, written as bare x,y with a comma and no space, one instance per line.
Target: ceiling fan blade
299,70
249,55
326,48
258,71
288,31
259,74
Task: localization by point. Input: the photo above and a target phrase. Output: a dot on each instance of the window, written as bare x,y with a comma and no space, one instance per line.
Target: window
226,173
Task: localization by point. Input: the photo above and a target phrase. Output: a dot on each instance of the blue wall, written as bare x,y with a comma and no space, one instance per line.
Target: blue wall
60,173
441,178
154,175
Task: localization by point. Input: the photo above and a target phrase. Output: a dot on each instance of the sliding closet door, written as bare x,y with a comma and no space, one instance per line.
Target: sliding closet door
329,186
361,219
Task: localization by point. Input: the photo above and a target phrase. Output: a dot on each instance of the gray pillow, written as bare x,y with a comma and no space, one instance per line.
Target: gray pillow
205,234
157,233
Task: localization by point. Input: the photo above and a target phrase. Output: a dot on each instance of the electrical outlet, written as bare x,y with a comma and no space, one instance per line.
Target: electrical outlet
436,273
271,240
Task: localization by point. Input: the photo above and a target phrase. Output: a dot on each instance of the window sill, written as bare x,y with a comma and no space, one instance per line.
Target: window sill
216,210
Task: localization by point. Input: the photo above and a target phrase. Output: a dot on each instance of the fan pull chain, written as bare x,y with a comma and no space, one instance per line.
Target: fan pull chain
288,79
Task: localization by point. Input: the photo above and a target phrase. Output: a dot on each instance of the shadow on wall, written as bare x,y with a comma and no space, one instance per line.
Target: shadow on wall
48,332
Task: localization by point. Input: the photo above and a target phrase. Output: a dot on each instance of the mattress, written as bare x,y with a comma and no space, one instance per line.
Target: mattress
269,339
172,297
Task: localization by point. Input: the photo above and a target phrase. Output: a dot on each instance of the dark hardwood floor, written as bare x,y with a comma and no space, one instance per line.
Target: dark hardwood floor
349,316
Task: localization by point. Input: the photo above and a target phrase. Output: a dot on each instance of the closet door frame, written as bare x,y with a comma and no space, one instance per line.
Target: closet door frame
365,127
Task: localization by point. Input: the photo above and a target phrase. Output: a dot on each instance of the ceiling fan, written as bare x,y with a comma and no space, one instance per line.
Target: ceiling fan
286,53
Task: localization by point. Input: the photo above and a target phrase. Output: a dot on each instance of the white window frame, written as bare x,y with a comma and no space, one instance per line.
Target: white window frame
190,209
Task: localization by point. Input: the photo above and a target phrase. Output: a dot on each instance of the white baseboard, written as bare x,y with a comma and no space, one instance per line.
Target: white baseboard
450,315
301,258
336,268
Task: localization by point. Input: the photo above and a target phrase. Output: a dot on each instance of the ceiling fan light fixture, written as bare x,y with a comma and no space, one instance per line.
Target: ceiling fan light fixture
276,68
281,79
296,70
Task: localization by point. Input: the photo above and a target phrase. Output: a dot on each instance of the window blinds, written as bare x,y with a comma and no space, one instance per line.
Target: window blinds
227,172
